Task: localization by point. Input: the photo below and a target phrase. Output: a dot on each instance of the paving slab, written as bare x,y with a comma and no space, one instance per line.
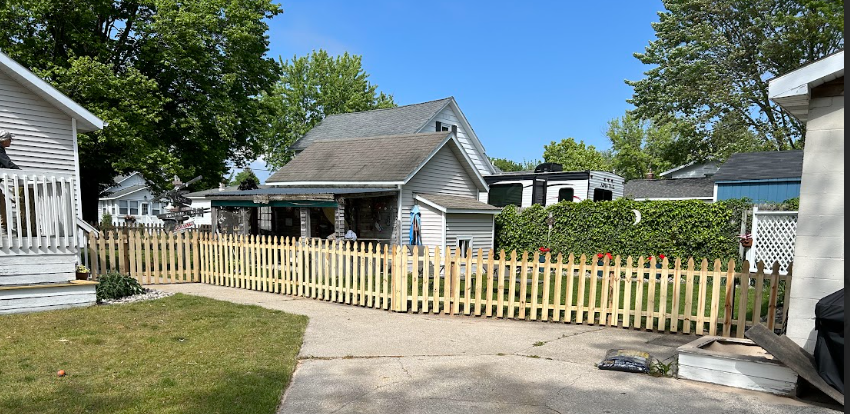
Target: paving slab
358,360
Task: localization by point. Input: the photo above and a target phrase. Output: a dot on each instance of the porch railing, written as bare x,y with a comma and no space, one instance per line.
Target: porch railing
37,212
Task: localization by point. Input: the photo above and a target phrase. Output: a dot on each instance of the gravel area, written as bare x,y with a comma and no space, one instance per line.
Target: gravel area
149,294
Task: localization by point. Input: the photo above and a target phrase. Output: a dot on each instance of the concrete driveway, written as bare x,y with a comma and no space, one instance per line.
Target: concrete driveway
357,360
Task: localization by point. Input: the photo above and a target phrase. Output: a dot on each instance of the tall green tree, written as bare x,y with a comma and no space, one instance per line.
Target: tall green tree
711,60
638,147
246,174
175,81
576,156
309,89
507,165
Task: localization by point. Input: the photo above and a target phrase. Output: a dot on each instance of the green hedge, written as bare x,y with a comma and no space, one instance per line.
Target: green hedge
687,228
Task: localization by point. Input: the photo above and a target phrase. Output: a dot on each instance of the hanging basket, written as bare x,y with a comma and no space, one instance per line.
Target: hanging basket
747,242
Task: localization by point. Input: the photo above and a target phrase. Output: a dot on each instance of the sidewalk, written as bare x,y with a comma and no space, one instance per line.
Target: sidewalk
357,360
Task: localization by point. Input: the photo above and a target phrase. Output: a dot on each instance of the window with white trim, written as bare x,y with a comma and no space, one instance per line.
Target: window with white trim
122,207
134,208
463,244
155,208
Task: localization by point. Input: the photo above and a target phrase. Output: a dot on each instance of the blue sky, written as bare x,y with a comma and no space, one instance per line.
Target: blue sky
524,73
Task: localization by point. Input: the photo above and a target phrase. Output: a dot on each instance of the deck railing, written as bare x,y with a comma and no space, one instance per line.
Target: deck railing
37,212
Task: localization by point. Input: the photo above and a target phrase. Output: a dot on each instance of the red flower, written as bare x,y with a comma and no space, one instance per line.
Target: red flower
544,249
599,255
608,255
661,256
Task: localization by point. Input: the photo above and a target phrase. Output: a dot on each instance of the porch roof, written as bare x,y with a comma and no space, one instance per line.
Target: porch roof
457,204
289,196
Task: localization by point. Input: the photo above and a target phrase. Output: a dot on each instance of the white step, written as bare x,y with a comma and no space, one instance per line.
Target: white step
41,297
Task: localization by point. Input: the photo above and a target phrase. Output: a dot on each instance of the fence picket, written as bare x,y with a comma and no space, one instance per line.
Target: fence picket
535,285
582,281
689,296
639,272
512,265
479,275
650,295
523,285
627,296
662,298
594,281
759,289
675,311
557,304
701,299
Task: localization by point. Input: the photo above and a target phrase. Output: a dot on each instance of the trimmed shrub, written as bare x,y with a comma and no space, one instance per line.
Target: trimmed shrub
686,228
116,286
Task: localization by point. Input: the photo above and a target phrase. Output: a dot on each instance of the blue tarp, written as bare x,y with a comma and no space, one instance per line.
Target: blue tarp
415,227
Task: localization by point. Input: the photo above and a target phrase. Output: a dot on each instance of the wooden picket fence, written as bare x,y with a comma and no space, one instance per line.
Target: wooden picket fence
150,256
668,296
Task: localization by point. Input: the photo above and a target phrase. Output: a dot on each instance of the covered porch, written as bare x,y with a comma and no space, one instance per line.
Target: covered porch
369,214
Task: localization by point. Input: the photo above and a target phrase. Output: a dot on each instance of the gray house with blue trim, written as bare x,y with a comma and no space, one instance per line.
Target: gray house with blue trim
763,177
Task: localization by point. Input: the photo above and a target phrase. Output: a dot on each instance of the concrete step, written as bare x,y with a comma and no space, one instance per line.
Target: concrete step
47,296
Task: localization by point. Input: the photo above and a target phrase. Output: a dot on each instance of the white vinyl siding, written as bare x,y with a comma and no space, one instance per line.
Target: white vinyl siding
447,117
43,137
443,174
477,226
432,226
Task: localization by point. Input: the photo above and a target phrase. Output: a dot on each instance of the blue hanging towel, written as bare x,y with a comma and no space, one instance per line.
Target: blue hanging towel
415,227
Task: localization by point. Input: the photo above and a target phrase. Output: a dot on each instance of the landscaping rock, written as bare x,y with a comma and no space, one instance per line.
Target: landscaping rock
149,294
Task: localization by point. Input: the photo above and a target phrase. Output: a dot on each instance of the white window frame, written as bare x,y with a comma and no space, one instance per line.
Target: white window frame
123,207
463,252
134,206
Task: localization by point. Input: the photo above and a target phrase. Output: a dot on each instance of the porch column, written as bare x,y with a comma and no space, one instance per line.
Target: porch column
339,218
305,221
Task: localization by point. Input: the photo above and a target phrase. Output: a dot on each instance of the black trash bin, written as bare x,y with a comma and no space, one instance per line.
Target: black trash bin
829,348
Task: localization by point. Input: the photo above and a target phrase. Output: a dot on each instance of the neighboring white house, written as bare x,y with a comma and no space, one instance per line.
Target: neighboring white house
815,95
39,234
130,200
200,200
692,170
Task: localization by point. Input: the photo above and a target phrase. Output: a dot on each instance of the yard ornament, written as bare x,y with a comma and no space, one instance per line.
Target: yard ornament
637,217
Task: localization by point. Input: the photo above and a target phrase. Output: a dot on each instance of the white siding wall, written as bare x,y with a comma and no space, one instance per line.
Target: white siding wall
432,226
448,117
443,174
43,135
477,226
819,251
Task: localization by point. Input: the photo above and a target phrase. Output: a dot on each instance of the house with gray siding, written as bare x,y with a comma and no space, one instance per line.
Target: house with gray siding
130,201
366,187
40,216
814,94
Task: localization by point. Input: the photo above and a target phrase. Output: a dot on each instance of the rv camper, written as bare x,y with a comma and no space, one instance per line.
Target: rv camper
548,185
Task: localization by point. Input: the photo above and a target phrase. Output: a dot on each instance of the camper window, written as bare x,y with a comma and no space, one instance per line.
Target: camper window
504,194
602,195
566,194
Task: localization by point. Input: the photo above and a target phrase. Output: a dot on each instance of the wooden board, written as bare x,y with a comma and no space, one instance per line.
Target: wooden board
785,350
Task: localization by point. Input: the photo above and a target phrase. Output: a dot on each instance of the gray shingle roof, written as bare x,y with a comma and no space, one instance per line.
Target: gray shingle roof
672,188
211,191
386,158
406,119
761,166
124,191
450,202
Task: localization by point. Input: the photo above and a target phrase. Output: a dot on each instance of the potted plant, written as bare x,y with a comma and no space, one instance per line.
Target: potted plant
746,239
82,272
543,251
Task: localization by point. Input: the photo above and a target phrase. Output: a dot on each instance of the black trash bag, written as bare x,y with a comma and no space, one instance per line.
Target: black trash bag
829,346
626,360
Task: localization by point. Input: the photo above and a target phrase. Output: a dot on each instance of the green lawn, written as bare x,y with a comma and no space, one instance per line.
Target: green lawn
181,354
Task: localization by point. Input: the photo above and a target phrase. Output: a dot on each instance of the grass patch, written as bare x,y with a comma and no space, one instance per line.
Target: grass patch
181,354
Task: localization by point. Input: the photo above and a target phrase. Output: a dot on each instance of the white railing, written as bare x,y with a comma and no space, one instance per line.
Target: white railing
37,212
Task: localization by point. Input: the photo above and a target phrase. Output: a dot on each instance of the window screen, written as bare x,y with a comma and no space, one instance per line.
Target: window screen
122,207
504,194
566,194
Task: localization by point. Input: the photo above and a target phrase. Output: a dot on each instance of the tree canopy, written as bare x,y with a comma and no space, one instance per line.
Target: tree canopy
711,62
242,176
576,156
175,81
638,147
507,165
309,89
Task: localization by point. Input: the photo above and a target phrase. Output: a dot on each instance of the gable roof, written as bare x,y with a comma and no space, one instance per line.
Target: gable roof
385,160
793,90
124,191
377,122
457,204
680,188
86,121
761,166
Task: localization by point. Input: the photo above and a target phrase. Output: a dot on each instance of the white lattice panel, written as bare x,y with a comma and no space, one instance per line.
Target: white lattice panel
774,235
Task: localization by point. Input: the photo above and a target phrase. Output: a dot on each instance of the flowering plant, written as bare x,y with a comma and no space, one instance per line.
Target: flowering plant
82,269
544,250
603,255
745,236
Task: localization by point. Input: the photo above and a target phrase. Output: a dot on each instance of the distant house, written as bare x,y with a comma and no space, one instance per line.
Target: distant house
692,170
814,94
344,182
200,200
130,201
671,189
41,225
549,185
772,176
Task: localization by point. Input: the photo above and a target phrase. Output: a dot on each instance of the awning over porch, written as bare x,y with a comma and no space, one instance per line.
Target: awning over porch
290,196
